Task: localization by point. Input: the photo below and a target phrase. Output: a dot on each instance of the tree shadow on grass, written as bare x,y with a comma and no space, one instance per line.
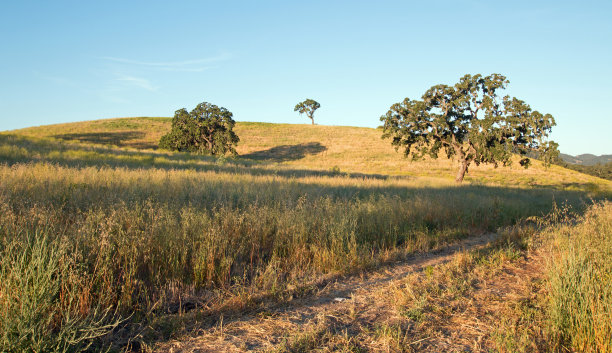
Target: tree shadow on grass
119,138
16,149
287,153
78,156
485,207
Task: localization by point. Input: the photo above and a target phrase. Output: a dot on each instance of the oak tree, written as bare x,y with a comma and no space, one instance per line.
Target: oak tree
207,129
470,122
308,106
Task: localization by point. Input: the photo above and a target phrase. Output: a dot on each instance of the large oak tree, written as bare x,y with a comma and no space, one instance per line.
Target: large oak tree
472,123
207,129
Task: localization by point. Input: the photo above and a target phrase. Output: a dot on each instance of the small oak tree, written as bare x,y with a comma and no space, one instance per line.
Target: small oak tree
308,106
207,129
470,122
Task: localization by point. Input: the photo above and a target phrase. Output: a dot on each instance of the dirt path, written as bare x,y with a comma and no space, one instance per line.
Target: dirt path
345,306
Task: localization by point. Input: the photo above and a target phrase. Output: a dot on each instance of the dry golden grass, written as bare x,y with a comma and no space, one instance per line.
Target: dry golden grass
151,233
450,301
141,133
533,290
338,148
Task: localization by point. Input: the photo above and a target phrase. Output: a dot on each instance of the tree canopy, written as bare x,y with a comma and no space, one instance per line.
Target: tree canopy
207,129
308,106
470,122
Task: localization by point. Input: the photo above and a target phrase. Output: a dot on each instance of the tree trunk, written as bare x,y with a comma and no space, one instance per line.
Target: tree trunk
462,170
312,119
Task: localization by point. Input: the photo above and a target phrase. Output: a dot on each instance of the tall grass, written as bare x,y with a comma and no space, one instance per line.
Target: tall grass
90,235
138,239
47,297
580,283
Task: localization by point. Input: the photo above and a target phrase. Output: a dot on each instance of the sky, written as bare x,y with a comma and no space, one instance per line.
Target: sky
64,61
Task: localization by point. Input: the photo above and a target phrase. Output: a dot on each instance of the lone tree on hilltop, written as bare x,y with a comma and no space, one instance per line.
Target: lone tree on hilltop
468,121
308,106
207,129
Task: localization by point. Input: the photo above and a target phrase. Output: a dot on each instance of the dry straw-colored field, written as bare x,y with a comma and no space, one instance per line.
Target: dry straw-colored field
348,149
106,241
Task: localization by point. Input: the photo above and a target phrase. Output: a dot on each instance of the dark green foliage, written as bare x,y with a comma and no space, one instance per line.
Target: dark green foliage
308,106
468,121
207,129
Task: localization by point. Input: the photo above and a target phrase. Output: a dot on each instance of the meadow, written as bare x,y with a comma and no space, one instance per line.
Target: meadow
541,286
100,233
321,148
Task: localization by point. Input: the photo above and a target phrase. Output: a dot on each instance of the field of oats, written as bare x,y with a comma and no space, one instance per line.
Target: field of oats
101,234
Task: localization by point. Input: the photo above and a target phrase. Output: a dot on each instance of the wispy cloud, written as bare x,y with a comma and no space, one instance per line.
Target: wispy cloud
138,82
196,65
125,79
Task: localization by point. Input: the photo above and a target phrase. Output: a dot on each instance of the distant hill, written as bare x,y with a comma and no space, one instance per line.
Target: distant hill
334,150
587,159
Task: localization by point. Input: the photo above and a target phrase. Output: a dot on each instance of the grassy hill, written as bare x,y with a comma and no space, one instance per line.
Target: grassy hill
102,236
586,159
323,148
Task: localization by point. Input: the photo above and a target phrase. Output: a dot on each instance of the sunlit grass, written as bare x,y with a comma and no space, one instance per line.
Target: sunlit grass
580,282
127,232
349,149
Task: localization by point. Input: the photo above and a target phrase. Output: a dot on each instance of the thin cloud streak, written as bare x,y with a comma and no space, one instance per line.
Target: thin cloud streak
138,82
187,65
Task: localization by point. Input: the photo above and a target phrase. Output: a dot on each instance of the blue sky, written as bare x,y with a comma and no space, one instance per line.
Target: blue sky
68,61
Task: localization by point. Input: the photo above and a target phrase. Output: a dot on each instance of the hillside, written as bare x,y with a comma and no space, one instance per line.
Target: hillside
313,237
349,149
586,159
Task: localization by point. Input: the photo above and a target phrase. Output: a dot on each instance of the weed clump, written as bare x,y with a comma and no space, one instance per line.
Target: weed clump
580,282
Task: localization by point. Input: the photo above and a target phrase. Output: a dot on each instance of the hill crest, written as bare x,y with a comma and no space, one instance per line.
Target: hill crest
587,159
341,149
